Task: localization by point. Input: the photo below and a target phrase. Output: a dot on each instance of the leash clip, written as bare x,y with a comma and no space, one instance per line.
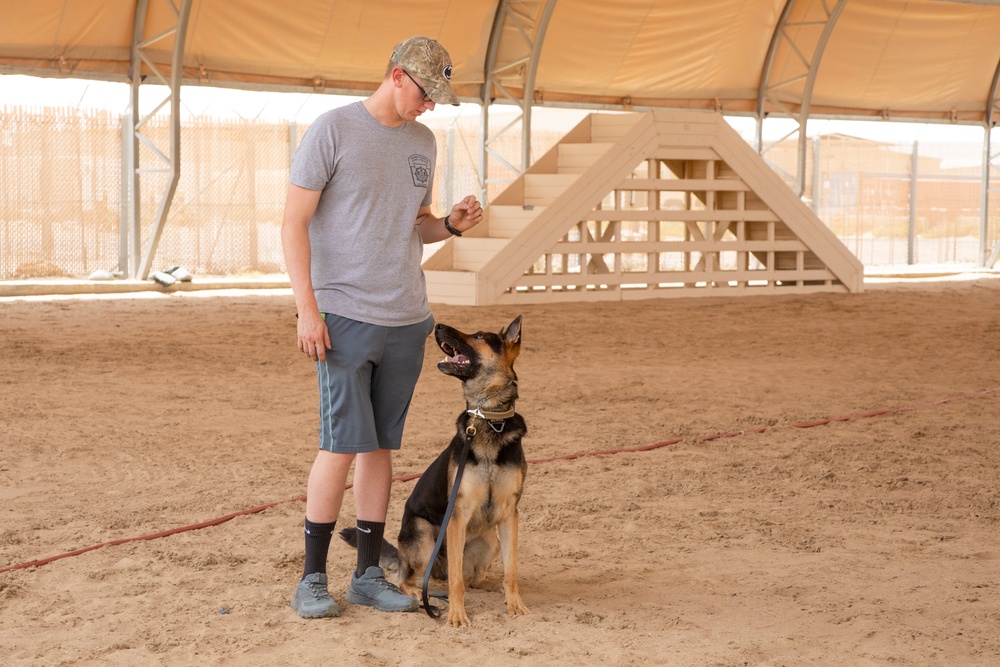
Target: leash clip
497,426
470,430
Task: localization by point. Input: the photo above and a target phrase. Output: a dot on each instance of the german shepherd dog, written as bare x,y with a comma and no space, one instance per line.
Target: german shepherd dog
485,515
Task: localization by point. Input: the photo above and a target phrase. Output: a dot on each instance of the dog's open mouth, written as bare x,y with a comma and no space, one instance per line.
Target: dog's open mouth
452,355
454,363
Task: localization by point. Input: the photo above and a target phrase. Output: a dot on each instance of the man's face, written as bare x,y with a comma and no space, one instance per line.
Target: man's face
414,100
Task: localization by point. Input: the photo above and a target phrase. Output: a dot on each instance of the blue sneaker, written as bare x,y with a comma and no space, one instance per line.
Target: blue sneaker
312,600
372,590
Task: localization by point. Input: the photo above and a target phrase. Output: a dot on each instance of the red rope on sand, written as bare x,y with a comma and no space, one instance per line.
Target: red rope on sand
151,536
607,452
567,457
891,411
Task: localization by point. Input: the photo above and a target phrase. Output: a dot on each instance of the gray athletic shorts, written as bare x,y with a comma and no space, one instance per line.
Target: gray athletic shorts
366,383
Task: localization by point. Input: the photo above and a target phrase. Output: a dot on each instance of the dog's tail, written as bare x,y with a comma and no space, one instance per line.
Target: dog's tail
388,559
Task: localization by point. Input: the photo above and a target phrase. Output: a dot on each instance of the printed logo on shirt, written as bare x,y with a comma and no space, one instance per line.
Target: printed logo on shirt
420,169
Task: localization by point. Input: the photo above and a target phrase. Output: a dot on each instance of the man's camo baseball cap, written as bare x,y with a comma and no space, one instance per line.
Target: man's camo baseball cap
425,58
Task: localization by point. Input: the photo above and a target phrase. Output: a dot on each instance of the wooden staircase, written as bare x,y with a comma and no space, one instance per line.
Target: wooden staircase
643,205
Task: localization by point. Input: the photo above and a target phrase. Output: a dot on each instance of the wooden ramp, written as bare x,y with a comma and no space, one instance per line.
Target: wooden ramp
639,206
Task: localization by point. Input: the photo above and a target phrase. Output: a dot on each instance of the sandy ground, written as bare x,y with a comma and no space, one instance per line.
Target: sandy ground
869,541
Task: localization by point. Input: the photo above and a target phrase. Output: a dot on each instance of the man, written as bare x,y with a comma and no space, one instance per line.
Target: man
356,217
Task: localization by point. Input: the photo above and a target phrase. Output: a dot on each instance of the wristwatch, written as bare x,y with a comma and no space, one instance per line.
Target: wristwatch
447,225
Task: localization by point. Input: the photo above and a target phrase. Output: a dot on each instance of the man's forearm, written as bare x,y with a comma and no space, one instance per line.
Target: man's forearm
295,244
431,229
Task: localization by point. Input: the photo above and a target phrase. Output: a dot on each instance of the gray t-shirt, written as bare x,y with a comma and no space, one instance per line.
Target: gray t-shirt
366,252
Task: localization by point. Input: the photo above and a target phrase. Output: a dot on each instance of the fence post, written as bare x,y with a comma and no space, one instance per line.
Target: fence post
986,258
250,163
447,200
815,175
911,236
125,194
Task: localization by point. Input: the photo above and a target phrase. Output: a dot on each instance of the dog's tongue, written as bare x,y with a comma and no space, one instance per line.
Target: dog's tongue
458,358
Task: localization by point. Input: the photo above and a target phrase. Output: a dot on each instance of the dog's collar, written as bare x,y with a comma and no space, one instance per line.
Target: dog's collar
496,420
492,416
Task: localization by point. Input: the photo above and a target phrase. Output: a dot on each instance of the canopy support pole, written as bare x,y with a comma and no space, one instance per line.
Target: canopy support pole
804,55
166,159
513,53
990,160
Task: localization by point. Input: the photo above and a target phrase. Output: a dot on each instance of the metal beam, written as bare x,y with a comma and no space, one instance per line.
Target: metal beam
515,47
911,235
990,160
808,53
765,75
167,158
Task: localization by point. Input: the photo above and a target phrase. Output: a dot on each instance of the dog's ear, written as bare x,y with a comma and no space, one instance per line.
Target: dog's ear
512,334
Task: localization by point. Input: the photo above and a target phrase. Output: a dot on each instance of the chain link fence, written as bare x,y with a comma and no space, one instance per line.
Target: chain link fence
894,204
61,204
60,180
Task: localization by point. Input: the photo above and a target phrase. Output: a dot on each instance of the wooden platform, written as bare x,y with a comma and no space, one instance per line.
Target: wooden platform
638,206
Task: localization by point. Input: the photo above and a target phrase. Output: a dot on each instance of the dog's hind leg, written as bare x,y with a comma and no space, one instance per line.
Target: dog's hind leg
479,553
415,548
508,551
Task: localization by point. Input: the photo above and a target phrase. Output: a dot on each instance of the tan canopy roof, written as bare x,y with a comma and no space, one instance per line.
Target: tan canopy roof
929,59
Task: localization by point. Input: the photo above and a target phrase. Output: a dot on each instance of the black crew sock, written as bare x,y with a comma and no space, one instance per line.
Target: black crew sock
369,544
318,537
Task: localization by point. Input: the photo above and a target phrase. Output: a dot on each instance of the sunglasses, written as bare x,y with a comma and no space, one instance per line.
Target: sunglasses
427,98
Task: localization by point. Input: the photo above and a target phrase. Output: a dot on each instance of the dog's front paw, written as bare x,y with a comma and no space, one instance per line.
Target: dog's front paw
457,618
515,606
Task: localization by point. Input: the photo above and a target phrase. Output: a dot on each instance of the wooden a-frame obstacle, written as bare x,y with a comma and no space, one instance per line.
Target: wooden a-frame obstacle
638,206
